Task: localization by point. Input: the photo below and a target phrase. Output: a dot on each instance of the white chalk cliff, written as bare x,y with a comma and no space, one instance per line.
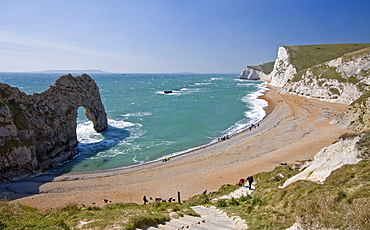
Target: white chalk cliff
350,81
357,116
344,79
330,158
250,73
283,69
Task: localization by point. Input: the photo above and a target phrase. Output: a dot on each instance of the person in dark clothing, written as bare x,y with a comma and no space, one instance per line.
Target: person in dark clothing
145,200
250,181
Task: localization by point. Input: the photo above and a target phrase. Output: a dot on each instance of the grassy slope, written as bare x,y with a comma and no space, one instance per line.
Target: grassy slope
342,201
122,216
265,67
303,56
306,56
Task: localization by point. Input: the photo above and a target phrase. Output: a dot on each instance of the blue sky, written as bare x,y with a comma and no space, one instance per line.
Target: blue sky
167,36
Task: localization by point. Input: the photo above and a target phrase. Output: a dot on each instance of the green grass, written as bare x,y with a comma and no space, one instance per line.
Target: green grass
303,57
265,67
123,216
361,99
343,201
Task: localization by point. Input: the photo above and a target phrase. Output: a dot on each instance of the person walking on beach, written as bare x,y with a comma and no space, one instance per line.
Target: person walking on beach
250,181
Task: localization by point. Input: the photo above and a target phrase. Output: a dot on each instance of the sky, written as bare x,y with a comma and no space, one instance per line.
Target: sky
169,36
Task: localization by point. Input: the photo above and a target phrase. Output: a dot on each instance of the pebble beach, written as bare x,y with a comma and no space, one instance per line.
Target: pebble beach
294,129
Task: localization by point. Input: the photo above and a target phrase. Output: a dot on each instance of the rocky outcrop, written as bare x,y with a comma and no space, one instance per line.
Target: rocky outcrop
257,72
283,69
250,73
357,115
342,79
38,131
343,152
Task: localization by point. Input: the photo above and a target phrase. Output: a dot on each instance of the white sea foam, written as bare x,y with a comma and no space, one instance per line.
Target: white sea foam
87,134
254,115
202,83
245,84
139,114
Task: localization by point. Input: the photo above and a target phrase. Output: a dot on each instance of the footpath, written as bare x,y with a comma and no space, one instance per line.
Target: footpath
211,218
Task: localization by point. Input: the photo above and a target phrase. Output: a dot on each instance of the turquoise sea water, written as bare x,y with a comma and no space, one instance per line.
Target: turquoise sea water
145,124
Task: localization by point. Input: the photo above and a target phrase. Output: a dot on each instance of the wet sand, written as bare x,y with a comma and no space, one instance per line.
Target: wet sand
295,129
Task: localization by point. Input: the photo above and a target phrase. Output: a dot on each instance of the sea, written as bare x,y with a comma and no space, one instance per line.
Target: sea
146,124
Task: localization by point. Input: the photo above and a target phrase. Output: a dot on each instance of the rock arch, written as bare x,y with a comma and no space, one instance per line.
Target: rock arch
38,131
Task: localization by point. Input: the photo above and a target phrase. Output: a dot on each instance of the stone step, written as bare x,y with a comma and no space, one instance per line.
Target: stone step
148,228
198,227
171,225
211,218
194,219
185,222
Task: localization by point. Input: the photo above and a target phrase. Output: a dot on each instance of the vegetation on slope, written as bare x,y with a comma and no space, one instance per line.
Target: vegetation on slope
265,67
121,216
303,57
323,73
361,99
342,202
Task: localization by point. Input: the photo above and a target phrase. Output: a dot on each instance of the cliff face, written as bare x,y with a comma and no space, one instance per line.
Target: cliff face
357,115
341,79
250,73
283,69
257,72
38,131
330,158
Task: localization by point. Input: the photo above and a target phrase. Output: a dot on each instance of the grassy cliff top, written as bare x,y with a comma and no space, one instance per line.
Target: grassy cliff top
265,67
306,56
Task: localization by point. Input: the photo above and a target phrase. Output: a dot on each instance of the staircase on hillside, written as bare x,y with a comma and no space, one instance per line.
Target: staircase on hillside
211,218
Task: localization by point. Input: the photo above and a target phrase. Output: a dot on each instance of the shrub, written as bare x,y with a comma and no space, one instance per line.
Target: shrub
233,202
221,203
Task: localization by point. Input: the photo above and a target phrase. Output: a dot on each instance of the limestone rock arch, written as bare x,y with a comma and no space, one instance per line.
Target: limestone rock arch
38,131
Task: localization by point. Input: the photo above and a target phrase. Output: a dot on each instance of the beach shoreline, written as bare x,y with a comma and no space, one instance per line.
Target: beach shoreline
288,133
115,171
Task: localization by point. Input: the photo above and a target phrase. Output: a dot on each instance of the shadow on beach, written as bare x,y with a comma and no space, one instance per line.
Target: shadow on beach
30,186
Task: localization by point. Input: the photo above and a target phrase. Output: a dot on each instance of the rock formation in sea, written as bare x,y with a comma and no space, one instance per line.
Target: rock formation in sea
38,131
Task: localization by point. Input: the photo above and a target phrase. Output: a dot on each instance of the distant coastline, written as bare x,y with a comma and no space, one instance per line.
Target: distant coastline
92,71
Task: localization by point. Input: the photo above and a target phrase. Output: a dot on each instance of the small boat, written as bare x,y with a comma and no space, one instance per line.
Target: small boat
167,91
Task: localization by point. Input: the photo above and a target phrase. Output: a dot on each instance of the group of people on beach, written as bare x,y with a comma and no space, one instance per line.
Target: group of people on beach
253,126
224,138
250,129
146,201
249,179
166,159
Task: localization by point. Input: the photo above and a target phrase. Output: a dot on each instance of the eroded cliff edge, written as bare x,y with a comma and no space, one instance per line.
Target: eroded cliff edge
336,73
38,131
